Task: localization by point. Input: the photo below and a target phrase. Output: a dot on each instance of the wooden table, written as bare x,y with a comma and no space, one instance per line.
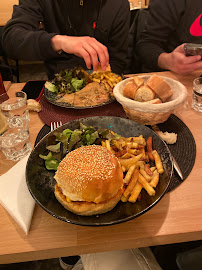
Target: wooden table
7,85
176,218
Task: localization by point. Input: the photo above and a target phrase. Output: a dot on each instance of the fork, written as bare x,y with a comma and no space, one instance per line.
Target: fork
55,125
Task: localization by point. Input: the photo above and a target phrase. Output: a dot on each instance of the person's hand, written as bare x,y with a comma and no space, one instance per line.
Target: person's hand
88,48
178,62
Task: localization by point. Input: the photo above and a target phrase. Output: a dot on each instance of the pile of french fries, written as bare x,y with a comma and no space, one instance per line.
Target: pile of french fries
136,155
108,78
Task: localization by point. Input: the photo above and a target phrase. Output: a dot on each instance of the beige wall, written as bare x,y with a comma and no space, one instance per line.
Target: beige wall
135,3
6,10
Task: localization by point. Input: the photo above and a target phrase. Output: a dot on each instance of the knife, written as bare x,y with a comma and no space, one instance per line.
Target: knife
177,168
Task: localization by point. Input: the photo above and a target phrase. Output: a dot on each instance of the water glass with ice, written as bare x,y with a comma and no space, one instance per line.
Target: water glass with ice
197,94
15,140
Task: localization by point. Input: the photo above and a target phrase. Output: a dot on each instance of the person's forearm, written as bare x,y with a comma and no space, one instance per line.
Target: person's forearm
164,61
56,42
29,45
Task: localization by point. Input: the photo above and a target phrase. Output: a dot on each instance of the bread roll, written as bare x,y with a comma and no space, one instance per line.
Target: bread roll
138,81
33,105
160,87
154,101
132,86
130,90
144,93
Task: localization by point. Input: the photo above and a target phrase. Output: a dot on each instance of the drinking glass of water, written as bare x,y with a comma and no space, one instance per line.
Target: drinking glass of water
197,94
15,140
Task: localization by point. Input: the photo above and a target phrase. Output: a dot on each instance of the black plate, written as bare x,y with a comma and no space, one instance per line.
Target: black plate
41,183
52,98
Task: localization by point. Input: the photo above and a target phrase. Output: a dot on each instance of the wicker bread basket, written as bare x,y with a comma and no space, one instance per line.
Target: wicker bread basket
151,114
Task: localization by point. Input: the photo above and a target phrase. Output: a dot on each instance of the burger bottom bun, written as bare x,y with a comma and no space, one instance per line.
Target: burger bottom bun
87,208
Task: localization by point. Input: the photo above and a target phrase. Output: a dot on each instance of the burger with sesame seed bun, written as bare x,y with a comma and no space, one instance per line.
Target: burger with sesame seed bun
89,181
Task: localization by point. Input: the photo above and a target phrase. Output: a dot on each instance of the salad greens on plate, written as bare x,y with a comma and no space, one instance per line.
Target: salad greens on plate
61,143
67,81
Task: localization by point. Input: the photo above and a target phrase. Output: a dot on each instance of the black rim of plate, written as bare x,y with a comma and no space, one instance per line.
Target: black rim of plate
121,208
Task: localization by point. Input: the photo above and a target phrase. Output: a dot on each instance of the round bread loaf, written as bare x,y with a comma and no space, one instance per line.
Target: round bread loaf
89,180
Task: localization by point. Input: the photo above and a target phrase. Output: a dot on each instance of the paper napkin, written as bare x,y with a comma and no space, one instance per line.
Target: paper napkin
15,196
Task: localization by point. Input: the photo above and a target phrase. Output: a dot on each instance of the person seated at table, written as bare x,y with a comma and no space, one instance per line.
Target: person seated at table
169,25
69,33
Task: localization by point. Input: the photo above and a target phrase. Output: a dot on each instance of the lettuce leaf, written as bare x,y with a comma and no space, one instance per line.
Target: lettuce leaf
77,84
51,87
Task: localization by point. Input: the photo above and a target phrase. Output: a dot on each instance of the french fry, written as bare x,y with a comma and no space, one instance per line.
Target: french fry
154,179
153,168
132,151
131,184
108,78
149,148
129,161
129,174
158,162
127,156
132,144
143,153
121,153
96,80
147,169
107,143
139,140
103,143
141,164
118,144
146,158
124,199
146,185
146,176
135,165
135,193
107,86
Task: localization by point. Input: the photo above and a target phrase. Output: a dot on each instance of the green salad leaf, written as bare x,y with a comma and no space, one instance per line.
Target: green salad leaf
77,84
54,148
51,87
67,81
61,143
52,164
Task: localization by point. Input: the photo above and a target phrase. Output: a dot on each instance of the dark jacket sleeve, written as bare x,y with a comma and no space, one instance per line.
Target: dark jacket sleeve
118,40
163,18
22,38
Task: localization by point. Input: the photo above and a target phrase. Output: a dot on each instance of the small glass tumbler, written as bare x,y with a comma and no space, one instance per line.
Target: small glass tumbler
197,94
15,140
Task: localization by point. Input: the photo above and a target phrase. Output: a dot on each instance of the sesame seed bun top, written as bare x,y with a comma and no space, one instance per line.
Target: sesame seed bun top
90,173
